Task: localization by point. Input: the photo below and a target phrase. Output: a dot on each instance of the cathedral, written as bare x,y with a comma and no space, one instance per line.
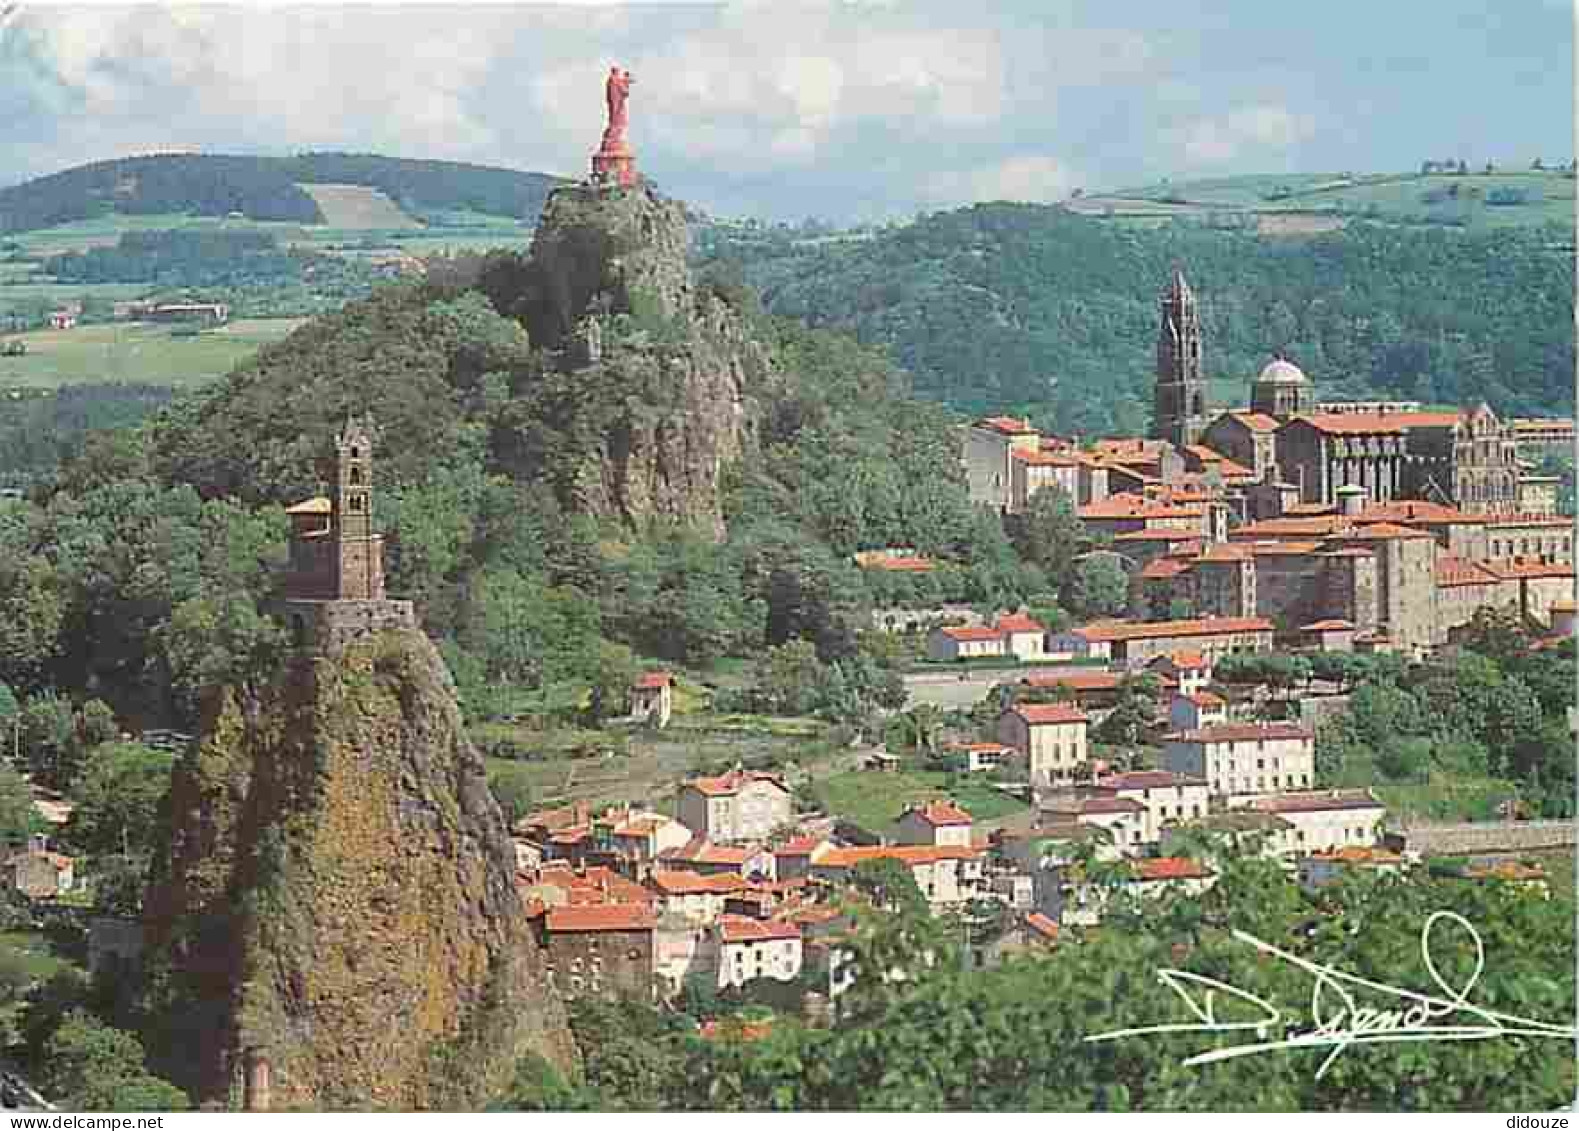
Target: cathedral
1467,459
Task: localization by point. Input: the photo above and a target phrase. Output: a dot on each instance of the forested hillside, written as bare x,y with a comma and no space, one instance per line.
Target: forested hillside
138,577
1017,307
263,188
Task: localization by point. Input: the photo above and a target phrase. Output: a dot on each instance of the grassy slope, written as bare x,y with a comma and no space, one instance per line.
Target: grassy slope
137,353
875,800
1393,197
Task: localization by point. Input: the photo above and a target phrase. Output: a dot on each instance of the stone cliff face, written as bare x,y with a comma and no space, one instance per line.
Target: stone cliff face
339,921
668,371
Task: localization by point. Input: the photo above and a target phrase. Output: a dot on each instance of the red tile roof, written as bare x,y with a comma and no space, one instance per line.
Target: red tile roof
1018,622
1156,534
1206,699
1096,806
1169,868
1365,423
1045,459
1452,571
1387,530
1146,779
1331,625
1007,425
941,813
799,846
733,782
1163,568
735,1028
1256,421
1317,801
1185,661
739,929
1045,714
1416,510
1245,732
911,854
1042,925
1314,525
699,850
674,881
601,917
652,681
1507,568
1075,681
964,633
1210,626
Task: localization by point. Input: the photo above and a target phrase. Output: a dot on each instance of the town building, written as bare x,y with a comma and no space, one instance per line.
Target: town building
1136,643
599,950
936,823
1241,760
1324,820
948,876
1051,737
652,698
734,807
749,949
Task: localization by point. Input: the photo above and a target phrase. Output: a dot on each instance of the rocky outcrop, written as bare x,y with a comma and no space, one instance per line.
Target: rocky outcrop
667,373
339,927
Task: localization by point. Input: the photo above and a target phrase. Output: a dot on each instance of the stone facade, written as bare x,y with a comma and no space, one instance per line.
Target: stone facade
1179,405
334,585
600,951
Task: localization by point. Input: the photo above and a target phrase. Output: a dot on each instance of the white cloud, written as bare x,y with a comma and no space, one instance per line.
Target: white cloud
1217,141
1029,177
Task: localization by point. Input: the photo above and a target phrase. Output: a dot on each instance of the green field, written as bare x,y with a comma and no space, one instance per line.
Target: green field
357,206
874,800
1464,799
1397,198
131,352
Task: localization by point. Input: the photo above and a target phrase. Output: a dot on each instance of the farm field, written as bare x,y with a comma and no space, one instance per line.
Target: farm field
357,206
135,352
1399,198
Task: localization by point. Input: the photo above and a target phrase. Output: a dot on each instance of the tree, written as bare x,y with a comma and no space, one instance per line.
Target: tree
1100,587
118,800
1050,534
90,1066
18,818
788,677
890,885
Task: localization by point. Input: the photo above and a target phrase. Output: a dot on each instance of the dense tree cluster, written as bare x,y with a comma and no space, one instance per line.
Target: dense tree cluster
1028,309
1497,709
182,257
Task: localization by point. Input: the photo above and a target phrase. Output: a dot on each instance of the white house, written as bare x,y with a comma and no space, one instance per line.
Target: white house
1240,761
1327,819
1050,736
964,642
1167,797
1023,637
1123,818
737,806
749,949
936,823
947,875
981,756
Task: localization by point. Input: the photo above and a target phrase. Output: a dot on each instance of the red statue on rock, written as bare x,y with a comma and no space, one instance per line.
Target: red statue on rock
614,162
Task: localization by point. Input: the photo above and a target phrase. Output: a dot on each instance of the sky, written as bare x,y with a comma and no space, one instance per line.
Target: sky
851,110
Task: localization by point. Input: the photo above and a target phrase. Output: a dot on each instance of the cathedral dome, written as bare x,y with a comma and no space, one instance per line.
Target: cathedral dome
1281,371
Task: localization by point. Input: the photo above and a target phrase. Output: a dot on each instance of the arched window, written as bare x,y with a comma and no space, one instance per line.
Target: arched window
356,477
356,453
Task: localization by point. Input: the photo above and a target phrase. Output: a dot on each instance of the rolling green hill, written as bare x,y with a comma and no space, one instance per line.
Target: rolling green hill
264,188
1039,310
1519,198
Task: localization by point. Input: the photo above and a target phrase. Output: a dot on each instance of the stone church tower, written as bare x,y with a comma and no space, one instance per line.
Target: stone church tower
1179,410
334,586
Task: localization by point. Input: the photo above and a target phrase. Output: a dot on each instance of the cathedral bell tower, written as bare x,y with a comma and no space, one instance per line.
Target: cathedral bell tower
1179,407
359,572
